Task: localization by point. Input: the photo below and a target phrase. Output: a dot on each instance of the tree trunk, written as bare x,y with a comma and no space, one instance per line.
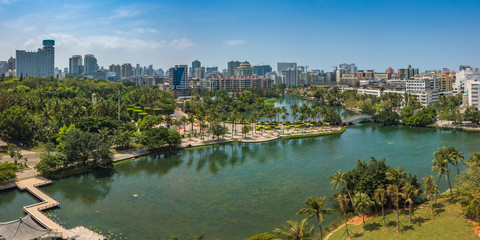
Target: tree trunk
351,199
346,226
363,218
449,185
398,220
410,212
320,227
383,214
433,212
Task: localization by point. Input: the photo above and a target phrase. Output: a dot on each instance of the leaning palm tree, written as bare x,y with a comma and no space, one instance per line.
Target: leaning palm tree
440,165
343,203
430,189
409,193
363,204
396,176
315,209
337,180
295,231
380,196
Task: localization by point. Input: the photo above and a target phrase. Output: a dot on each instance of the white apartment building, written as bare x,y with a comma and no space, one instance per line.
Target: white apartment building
422,84
373,92
472,93
462,77
426,97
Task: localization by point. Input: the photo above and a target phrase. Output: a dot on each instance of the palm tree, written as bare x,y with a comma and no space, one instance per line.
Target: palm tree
343,203
440,165
294,110
295,231
234,118
430,189
455,157
363,204
316,210
191,121
396,177
380,196
410,192
183,120
474,158
337,180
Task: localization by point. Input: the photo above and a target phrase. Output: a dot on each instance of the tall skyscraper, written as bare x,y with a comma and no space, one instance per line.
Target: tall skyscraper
283,66
127,70
76,64
36,64
232,67
262,70
292,77
11,63
178,76
117,69
245,69
347,68
90,64
195,64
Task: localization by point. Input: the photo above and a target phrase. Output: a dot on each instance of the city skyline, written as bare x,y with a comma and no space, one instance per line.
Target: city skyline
373,34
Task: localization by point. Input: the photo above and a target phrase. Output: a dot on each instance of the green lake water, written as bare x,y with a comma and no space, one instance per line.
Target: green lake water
230,191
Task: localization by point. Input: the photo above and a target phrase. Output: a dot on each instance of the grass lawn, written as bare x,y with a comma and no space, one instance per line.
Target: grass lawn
270,101
449,223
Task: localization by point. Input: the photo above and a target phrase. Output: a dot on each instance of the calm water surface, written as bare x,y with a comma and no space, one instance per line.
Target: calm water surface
231,191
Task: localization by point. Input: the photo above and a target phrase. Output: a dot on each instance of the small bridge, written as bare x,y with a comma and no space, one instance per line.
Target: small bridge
356,119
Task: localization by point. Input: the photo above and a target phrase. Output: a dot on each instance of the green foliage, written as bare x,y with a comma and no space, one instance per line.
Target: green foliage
295,231
7,171
387,117
17,125
62,133
168,109
148,122
472,114
468,187
421,119
262,236
80,146
218,130
158,137
50,163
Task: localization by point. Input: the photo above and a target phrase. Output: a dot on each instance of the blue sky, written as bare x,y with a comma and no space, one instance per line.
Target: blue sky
320,34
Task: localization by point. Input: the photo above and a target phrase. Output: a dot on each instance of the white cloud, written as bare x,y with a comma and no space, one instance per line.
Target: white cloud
181,43
124,13
137,31
233,43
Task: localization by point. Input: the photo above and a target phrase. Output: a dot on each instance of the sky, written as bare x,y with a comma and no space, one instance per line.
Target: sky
320,34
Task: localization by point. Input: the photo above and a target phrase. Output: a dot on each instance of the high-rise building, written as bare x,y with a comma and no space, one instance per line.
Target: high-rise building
36,64
3,67
283,66
178,76
232,67
245,69
292,77
407,72
262,70
75,64
347,68
463,67
90,64
195,64
11,63
127,70
463,77
117,69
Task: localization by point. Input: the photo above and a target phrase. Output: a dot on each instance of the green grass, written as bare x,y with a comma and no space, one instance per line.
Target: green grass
315,134
270,101
449,223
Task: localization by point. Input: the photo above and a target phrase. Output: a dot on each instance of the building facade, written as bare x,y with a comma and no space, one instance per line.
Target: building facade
262,70
75,64
283,66
90,64
234,83
39,63
195,64
232,67
407,72
245,69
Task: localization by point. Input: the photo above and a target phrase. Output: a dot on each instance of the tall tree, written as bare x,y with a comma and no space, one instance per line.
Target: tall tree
380,196
343,203
431,190
396,176
339,180
440,165
363,204
315,209
410,192
456,157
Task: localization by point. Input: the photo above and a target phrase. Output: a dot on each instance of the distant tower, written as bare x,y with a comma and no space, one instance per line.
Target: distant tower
75,64
195,64
36,64
90,64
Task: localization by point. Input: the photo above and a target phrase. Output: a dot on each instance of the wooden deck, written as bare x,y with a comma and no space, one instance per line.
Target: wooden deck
46,202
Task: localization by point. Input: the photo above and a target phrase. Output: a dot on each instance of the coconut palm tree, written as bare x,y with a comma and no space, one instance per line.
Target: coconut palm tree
410,192
191,121
456,158
430,189
363,204
396,176
380,196
440,165
295,231
316,210
294,110
343,203
337,180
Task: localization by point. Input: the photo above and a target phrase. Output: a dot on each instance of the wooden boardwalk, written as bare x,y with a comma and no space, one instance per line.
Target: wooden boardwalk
46,202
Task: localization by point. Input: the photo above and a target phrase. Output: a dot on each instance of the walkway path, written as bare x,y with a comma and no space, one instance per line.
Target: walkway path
35,210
